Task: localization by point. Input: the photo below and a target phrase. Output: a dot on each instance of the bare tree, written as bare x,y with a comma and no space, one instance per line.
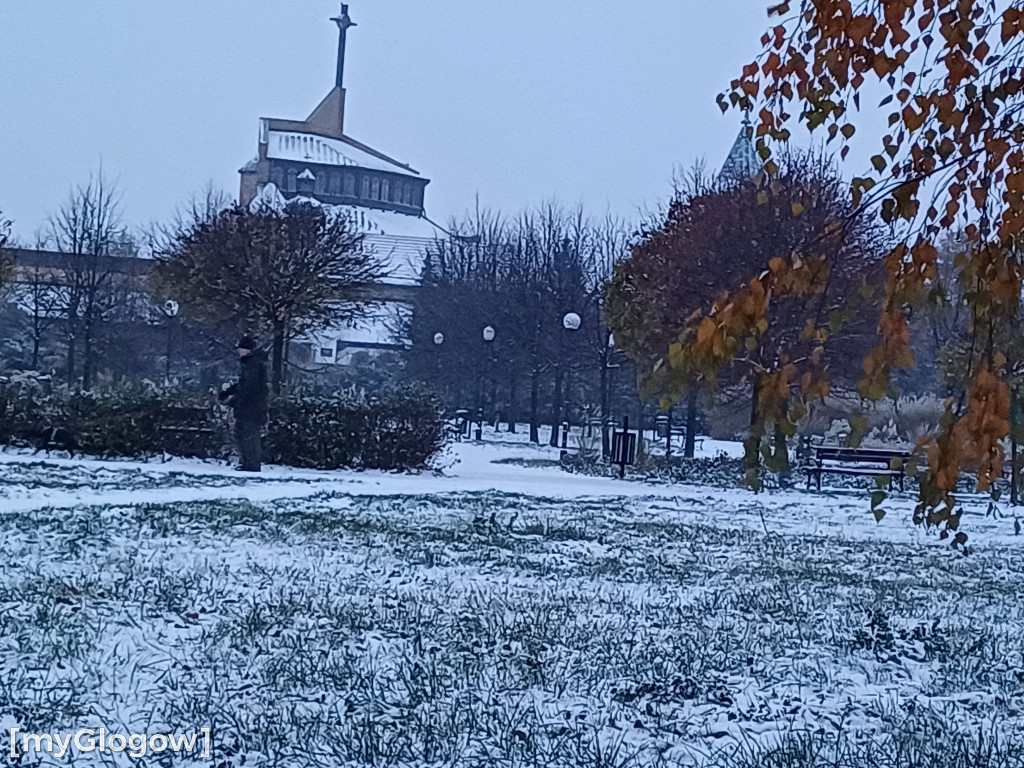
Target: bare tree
285,270
86,232
521,278
38,295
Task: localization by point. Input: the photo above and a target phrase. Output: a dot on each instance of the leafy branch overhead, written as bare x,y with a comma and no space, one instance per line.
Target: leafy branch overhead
950,160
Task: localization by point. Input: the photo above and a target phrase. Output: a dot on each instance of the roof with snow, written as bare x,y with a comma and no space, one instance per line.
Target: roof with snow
400,239
310,148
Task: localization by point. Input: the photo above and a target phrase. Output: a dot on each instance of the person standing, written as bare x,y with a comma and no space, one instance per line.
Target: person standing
248,399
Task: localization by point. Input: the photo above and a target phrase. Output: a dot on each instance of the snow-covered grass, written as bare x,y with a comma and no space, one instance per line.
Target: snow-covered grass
503,615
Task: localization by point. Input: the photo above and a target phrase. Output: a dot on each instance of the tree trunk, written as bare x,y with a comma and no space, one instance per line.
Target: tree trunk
752,446
689,448
35,350
71,359
512,405
534,401
782,449
604,403
1014,492
556,411
87,356
277,359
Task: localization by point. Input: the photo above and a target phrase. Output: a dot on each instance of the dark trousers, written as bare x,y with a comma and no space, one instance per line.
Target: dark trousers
247,438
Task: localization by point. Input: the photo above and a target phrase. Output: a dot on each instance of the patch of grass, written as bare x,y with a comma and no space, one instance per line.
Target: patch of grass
481,629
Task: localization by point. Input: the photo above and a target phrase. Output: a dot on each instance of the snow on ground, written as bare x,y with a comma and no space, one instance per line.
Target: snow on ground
503,613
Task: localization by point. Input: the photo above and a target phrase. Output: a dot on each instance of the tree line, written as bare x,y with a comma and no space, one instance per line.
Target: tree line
546,317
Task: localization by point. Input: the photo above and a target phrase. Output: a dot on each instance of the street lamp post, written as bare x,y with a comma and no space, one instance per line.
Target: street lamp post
570,322
170,311
607,387
488,337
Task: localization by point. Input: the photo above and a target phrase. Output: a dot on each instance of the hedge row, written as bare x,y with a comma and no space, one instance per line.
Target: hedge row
399,430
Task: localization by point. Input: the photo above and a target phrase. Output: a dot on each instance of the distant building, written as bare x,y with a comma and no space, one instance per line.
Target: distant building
313,158
742,163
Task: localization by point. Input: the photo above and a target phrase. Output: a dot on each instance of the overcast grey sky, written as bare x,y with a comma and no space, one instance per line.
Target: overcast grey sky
590,101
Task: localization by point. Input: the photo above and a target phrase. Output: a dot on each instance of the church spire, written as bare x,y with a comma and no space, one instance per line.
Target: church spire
743,163
344,22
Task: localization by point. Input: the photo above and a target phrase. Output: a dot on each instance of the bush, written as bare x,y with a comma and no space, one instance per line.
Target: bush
402,429
125,421
719,471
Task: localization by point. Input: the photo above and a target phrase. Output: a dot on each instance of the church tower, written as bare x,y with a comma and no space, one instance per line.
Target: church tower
315,158
742,163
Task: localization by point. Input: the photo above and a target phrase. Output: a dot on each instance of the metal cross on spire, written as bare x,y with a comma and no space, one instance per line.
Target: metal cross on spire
344,22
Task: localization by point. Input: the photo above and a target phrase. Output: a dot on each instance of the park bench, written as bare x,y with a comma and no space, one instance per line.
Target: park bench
187,427
868,462
679,438
678,435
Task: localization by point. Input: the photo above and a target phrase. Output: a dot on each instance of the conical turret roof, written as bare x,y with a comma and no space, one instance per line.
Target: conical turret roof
742,163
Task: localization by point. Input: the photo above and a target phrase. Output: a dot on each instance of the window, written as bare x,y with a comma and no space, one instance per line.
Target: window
417,196
350,185
406,194
375,188
291,179
385,193
366,187
335,183
320,186
277,178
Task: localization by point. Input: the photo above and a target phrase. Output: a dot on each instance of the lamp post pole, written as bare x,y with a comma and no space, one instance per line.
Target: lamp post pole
607,387
488,337
170,311
571,323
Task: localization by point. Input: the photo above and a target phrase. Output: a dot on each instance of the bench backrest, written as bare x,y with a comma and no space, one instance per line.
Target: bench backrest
860,455
187,413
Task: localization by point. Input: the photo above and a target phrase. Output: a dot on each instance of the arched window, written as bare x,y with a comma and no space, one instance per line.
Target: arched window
406,194
366,188
335,183
277,178
385,193
417,196
291,179
375,188
320,185
350,185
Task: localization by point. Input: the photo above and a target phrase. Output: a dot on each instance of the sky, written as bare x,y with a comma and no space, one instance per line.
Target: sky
590,102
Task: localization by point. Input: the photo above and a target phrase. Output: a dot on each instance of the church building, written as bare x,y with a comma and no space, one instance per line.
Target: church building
314,158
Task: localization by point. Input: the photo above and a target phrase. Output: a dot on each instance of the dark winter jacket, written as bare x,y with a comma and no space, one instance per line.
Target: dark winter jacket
248,397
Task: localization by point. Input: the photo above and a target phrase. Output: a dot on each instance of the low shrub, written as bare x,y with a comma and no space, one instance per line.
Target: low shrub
403,428
719,471
133,421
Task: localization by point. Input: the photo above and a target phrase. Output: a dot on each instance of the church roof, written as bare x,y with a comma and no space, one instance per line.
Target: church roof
742,163
400,239
310,148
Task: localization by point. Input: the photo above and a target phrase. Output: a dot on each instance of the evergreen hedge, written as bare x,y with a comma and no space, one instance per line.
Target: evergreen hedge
401,429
